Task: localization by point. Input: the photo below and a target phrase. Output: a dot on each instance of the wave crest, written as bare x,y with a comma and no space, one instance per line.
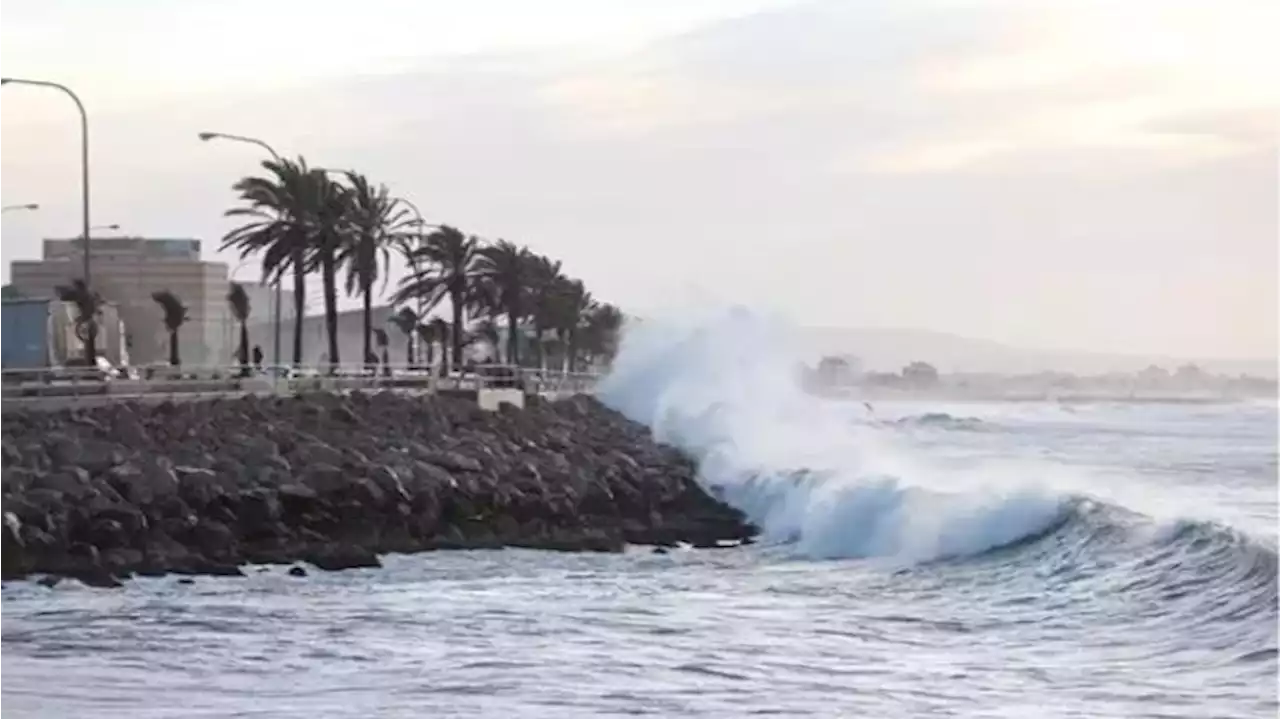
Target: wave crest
723,388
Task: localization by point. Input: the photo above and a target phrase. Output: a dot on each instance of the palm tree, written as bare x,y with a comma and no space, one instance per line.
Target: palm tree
602,327
377,222
544,282
239,301
406,320
279,210
504,270
570,305
427,336
175,315
88,304
329,227
429,333
445,266
486,330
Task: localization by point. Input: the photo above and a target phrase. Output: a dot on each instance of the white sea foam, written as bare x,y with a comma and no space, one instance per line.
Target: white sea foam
723,386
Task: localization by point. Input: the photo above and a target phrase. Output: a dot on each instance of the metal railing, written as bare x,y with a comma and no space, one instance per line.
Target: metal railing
76,386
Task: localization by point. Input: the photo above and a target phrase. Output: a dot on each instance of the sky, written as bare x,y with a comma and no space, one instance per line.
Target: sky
1072,174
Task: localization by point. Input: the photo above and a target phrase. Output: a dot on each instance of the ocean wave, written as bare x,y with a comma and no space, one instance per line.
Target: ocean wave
722,387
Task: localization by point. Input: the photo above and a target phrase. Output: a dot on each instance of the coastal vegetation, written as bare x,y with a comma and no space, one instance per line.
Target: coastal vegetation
300,221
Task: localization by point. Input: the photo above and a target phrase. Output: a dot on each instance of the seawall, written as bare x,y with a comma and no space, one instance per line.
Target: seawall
100,493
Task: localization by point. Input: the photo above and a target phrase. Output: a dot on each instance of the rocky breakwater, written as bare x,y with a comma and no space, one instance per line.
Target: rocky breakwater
206,487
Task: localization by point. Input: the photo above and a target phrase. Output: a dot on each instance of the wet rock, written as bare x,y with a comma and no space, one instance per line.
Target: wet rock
335,480
297,572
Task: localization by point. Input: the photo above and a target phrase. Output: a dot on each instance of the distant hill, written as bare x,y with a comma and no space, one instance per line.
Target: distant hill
889,349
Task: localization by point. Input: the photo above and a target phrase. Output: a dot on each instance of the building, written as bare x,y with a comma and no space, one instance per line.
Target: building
126,271
315,340
262,312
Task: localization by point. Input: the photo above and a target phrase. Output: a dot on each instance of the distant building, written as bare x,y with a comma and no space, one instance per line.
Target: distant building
262,312
126,271
315,338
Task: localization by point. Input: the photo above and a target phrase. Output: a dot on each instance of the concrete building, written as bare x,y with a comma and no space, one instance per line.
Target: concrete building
315,340
262,312
126,271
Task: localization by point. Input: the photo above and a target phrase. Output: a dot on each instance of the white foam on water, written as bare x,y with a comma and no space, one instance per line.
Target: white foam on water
724,386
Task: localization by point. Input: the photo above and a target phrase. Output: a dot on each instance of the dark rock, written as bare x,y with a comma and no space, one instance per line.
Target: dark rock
334,558
204,487
297,572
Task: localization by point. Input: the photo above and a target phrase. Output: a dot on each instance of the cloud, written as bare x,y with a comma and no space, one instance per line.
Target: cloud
939,163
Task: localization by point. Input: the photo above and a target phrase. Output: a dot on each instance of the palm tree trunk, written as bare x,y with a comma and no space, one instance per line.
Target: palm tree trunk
244,348
571,351
299,303
329,278
408,349
91,343
174,359
513,340
368,324
430,350
539,352
455,298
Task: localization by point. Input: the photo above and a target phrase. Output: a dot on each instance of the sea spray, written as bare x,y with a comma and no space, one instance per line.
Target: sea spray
724,386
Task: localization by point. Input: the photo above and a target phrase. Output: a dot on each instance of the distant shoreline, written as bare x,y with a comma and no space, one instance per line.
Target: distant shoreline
942,395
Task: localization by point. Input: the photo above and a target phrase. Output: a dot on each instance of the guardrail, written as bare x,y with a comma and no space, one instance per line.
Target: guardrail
76,386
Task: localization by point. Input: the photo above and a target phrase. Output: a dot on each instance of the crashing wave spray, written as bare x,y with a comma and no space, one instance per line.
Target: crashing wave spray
723,387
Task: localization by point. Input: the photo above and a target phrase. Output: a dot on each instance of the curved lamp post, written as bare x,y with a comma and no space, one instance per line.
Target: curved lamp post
91,329
275,321
28,206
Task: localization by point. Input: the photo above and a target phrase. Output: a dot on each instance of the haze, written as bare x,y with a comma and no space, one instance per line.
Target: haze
1086,175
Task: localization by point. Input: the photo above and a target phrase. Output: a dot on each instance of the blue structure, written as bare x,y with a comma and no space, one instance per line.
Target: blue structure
25,326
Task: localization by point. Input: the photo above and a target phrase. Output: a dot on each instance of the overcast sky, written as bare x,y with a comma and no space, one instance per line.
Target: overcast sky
1068,174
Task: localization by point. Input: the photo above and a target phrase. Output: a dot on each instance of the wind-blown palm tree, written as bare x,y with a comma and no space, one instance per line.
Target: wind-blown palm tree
504,270
175,315
446,267
406,320
427,337
377,223
88,305
278,210
570,305
601,329
238,299
543,283
330,227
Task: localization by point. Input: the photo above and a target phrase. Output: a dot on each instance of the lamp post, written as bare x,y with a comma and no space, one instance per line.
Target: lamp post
91,329
28,206
105,227
275,321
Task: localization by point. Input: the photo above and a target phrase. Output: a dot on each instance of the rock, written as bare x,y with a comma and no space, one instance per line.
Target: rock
334,558
454,461
204,487
297,572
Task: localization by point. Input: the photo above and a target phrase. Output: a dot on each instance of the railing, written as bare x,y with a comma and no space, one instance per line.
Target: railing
64,386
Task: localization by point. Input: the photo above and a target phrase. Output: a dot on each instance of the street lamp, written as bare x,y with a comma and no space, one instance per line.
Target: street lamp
105,227
28,206
91,349
207,136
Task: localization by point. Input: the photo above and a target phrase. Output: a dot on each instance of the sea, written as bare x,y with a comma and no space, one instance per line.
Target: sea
918,558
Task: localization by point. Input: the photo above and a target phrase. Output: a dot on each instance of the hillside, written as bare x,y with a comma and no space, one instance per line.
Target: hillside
891,348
